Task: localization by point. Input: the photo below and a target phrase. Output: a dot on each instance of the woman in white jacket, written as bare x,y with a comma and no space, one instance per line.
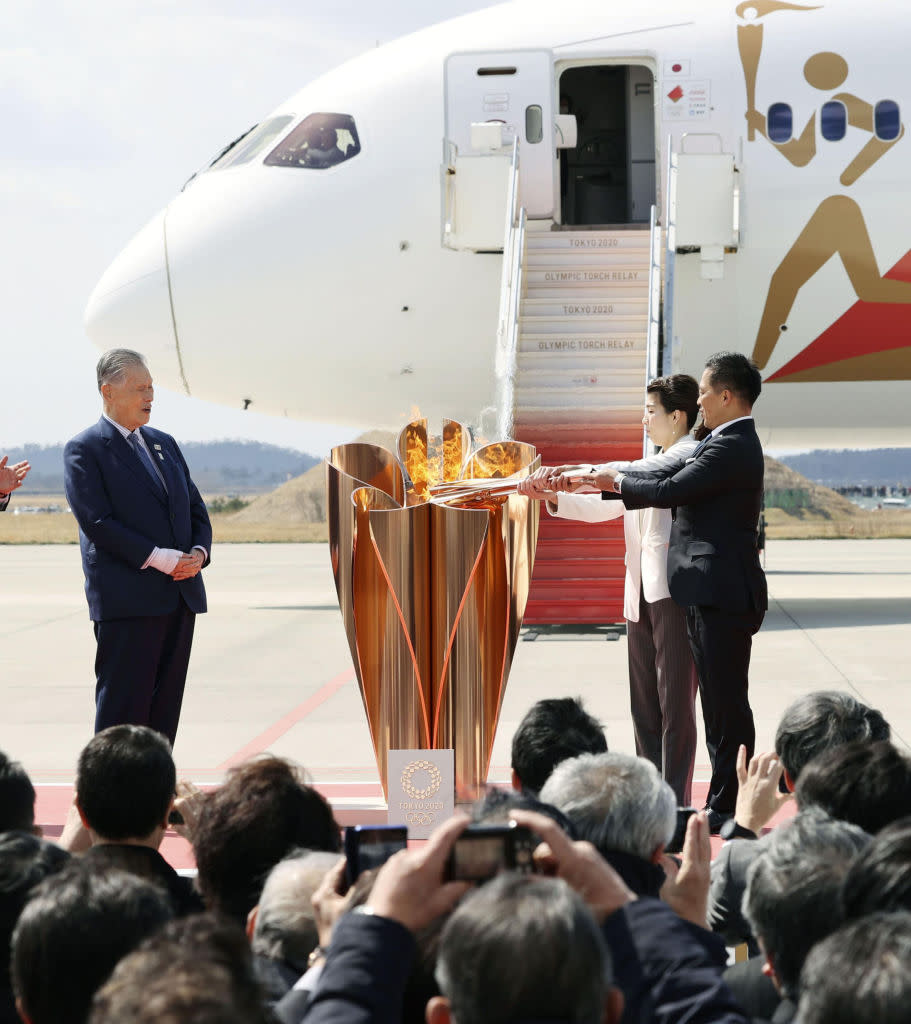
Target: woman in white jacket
662,674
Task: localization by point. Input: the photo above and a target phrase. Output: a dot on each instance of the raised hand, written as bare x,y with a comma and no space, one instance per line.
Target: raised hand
758,798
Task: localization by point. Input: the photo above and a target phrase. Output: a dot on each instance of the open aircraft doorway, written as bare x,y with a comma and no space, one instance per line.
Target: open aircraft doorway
609,177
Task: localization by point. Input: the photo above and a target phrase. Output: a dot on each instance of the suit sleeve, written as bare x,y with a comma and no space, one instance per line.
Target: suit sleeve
669,970
366,969
719,469
659,463
88,499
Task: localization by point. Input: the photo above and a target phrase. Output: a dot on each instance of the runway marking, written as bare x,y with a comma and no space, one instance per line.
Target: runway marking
274,732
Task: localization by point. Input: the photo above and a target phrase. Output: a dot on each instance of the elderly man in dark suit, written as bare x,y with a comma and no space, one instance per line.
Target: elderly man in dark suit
713,561
11,477
145,535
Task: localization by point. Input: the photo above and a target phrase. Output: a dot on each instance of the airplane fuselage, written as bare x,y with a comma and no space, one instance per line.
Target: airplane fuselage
323,291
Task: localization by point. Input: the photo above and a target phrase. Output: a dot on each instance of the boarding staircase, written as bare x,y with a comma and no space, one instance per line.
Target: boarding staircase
578,341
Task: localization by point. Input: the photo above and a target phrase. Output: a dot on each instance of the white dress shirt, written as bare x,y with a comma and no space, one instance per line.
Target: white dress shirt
163,559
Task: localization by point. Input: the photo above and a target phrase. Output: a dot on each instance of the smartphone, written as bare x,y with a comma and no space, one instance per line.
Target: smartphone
683,816
175,818
370,846
483,851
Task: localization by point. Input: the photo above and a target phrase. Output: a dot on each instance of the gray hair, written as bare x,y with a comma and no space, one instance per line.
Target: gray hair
523,948
792,897
616,801
285,926
819,721
115,363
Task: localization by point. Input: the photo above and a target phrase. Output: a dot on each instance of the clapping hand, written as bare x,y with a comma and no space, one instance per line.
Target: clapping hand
11,477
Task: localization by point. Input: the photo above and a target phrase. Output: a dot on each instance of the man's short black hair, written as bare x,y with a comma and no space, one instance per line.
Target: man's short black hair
17,797
552,731
25,861
820,721
72,932
734,372
125,781
861,974
868,784
880,877
261,812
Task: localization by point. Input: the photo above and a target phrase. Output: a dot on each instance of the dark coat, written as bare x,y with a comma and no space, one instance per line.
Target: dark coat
123,516
717,496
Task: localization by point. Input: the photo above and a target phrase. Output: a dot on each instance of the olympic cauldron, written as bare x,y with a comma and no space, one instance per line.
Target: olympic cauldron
432,553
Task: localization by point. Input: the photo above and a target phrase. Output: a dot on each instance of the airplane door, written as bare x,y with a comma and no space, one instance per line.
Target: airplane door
515,87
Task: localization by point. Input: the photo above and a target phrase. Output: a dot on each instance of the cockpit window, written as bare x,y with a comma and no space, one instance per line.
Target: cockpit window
244,149
318,142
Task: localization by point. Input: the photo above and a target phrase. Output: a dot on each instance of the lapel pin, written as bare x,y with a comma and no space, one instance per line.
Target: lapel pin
157,447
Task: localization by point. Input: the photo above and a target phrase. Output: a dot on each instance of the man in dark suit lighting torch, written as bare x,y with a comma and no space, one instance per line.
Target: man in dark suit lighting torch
713,559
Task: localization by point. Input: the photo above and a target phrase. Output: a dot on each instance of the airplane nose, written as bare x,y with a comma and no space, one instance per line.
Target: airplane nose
131,304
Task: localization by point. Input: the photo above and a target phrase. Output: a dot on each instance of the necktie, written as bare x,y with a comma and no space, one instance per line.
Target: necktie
147,463
701,445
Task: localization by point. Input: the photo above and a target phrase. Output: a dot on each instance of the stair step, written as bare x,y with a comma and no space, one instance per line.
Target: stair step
548,611
560,361
588,296
623,327
616,346
548,416
557,531
587,241
618,260
593,456
556,549
557,373
592,306
586,277
583,569
597,399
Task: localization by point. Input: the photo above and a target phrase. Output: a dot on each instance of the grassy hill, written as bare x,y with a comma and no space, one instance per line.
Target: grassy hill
295,511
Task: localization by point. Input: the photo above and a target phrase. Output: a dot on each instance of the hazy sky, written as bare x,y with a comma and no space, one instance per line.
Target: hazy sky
108,107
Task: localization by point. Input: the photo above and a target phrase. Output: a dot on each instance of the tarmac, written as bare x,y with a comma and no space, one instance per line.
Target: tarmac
271,668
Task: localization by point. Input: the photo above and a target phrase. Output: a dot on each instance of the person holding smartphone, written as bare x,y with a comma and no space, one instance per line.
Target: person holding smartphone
662,674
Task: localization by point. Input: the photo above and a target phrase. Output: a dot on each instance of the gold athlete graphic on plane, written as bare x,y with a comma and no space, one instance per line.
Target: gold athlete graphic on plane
837,227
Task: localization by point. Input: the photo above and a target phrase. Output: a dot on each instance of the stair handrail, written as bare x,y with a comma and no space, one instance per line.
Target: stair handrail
510,294
670,259
653,332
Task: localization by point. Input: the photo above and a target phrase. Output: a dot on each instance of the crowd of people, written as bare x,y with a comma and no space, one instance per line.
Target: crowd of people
609,927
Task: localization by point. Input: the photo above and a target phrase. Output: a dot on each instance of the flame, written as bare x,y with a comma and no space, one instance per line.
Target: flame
452,450
414,457
495,461
429,461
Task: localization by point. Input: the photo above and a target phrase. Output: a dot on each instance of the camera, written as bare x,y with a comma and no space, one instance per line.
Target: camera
483,851
683,816
370,846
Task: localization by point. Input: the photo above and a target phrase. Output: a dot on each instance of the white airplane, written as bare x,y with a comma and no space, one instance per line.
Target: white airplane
342,260
353,282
